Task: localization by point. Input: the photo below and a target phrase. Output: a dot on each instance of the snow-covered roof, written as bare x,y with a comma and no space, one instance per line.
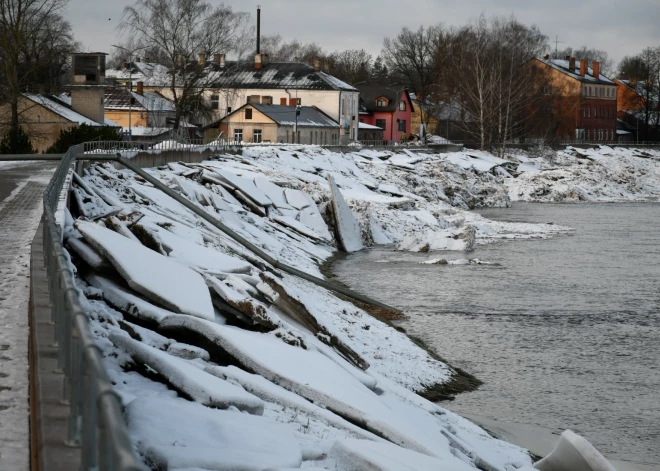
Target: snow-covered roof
563,66
621,132
62,109
272,75
369,126
286,115
142,131
137,72
120,99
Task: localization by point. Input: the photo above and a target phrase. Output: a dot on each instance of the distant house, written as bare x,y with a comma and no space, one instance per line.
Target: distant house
42,117
369,132
254,122
572,101
388,109
228,85
145,109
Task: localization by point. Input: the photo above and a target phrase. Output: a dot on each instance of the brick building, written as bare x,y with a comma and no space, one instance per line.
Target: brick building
572,102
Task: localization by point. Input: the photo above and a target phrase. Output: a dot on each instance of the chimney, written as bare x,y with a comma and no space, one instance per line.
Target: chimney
202,59
258,64
140,88
633,82
137,59
88,80
317,64
219,59
258,30
596,69
583,67
326,66
571,63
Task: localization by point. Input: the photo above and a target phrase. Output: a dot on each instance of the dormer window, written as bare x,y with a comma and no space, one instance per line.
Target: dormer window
381,102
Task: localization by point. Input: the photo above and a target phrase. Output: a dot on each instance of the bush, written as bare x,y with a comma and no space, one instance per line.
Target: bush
80,134
16,141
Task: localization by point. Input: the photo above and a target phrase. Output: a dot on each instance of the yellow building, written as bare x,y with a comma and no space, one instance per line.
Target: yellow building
138,108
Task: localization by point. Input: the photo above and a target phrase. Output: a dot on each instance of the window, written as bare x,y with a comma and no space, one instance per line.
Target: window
257,135
588,112
402,106
228,109
215,102
602,92
590,91
238,135
381,102
595,112
402,125
248,113
584,111
381,123
547,90
266,100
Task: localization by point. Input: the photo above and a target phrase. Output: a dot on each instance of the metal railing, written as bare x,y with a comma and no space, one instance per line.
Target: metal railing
611,144
95,421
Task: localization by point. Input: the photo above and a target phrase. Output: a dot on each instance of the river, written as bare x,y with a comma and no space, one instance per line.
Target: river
564,332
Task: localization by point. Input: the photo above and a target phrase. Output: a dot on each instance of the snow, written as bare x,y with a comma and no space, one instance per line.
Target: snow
347,226
574,452
192,436
246,187
296,198
65,112
150,273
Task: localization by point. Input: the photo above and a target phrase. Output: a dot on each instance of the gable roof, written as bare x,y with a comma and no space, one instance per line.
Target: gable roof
272,75
370,93
563,66
64,110
286,115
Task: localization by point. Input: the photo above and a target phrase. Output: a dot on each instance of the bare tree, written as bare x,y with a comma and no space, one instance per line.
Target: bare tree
181,30
278,50
351,65
26,28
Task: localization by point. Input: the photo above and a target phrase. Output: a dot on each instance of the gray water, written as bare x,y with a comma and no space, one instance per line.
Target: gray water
565,333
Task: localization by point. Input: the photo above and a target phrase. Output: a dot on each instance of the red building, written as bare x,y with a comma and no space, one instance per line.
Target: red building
387,107
575,101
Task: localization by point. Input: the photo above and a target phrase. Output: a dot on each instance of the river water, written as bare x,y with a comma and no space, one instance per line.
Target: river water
565,332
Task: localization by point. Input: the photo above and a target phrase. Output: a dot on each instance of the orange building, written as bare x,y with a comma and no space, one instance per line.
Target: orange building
572,101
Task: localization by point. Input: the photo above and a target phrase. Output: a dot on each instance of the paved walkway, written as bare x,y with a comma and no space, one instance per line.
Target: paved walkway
21,189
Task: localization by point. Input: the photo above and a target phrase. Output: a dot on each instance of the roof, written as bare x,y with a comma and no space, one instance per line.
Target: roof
273,75
137,71
142,131
369,126
562,65
120,99
370,93
286,115
64,110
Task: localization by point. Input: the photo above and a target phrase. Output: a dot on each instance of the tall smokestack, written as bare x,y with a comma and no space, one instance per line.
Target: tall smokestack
258,29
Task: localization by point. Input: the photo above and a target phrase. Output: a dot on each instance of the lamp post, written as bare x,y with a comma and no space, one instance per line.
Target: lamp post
130,85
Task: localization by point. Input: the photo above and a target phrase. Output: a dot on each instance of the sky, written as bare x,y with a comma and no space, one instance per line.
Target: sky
620,28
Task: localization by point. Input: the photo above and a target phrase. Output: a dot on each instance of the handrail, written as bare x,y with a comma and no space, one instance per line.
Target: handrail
95,421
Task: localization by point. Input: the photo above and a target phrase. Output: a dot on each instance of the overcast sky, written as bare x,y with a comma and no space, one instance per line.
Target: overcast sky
620,28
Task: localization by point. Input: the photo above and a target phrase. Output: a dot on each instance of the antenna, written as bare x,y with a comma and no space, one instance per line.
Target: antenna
557,41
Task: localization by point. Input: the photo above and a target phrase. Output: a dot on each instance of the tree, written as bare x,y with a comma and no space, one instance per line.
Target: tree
591,54
351,65
279,50
30,30
83,133
379,72
179,31
16,141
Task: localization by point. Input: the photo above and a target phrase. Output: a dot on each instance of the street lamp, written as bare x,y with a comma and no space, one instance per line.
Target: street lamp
130,82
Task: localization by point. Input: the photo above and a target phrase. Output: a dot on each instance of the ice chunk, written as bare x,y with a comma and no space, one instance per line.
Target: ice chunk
574,453
311,217
274,192
202,387
245,186
87,253
296,198
358,455
347,226
297,226
177,434
177,288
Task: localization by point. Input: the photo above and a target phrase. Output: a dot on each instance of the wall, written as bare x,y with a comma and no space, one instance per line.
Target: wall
308,135
258,121
391,131
42,125
88,101
138,118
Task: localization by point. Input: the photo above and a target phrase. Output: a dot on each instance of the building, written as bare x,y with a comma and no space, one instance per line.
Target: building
228,85
128,74
571,101
138,108
254,122
369,132
387,108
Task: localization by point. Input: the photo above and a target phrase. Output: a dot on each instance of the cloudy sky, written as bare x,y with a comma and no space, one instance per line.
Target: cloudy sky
620,28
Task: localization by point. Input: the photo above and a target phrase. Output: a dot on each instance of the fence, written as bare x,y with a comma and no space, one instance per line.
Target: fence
95,421
611,144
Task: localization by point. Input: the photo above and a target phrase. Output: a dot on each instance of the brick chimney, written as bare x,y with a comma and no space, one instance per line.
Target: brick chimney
317,64
140,88
219,59
583,67
202,59
258,61
326,66
596,69
633,82
571,63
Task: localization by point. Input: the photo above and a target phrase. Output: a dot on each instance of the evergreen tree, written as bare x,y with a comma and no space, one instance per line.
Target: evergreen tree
16,141
83,133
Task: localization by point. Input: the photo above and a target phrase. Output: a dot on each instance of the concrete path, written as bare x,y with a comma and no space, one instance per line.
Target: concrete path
21,189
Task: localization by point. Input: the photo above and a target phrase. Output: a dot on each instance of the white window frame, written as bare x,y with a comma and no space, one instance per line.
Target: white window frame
259,133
